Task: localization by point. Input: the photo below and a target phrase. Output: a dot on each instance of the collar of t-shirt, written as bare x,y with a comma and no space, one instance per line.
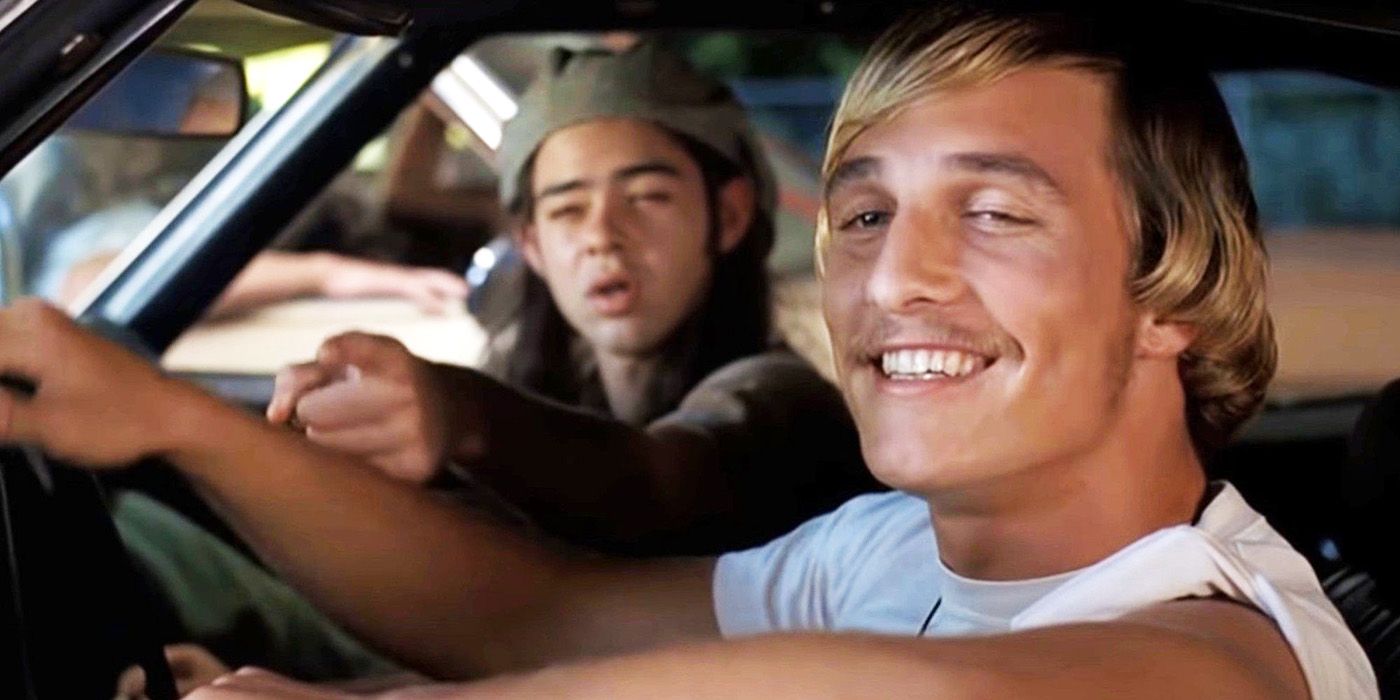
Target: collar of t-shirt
973,606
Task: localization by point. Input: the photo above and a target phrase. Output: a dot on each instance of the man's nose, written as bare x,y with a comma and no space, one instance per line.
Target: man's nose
604,229
919,263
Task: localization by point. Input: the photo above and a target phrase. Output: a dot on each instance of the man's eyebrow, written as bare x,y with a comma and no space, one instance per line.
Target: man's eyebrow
561,188
650,167
1012,164
851,171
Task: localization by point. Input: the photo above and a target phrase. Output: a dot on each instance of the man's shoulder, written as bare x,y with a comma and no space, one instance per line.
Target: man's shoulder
881,531
881,509
1231,524
1230,549
863,528
868,565
775,365
1231,552
776,389
1231,520
1272,576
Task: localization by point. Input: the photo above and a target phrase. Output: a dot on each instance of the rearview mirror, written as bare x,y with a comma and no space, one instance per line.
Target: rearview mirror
171,93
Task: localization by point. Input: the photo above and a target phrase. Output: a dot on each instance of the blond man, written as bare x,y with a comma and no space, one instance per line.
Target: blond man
1041,276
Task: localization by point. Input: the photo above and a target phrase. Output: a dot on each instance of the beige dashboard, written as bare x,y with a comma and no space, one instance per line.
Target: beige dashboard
270,338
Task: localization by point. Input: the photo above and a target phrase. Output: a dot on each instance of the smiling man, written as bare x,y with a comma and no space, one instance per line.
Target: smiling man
1044,280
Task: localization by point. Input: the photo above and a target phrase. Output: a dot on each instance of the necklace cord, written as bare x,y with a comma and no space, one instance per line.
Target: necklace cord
932,611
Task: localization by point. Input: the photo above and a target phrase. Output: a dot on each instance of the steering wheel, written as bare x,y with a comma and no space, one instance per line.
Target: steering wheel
75,613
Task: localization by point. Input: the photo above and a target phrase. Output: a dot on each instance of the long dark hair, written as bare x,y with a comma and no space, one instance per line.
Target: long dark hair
733,321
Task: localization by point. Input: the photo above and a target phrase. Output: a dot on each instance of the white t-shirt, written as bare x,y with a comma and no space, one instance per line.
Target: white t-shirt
872,566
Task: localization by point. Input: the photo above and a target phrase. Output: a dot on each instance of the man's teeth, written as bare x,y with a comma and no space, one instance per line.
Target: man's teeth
926,364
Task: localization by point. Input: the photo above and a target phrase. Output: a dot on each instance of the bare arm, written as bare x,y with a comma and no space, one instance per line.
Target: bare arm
1186,649
270,277
753,450
274,276
447,593
1190,649
597,479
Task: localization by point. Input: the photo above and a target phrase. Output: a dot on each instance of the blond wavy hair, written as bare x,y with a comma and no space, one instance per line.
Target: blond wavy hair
1197,256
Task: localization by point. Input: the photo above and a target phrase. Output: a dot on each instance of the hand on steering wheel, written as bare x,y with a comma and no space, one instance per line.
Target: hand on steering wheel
93,402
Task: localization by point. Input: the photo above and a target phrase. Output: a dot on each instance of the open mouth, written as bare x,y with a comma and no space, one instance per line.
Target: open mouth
929,364
612,295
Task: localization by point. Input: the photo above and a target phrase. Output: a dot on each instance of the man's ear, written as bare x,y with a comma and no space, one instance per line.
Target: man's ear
528,240
1158,338
736,211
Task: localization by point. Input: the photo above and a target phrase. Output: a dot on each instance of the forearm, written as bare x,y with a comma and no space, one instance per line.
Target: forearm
594,478
774,668
1081,661
447,594
271,277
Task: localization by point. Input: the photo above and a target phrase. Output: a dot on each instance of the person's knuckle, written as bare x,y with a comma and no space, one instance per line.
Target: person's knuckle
336,345
382,464
283,382
284,375
409,466
309,377
408,421
415,444
421,418
401,394
390,343
343,337
293,375
29,306
37,319
307,409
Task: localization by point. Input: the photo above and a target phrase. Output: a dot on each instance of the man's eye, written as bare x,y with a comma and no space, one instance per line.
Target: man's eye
564,213
866,219
655,197
997,218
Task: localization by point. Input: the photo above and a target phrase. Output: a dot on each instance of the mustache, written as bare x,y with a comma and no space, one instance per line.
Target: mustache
878,333
607,267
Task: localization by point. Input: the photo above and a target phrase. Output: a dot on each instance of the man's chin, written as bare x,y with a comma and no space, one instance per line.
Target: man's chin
924,467
624,338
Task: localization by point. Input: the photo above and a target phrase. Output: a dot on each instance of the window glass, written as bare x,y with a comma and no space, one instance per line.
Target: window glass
89,189
1324,151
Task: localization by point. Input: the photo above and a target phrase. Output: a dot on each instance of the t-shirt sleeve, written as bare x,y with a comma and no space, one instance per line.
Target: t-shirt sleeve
782,439
803,580
1257,568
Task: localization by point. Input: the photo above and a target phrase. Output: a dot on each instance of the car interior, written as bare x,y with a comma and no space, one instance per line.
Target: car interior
366,127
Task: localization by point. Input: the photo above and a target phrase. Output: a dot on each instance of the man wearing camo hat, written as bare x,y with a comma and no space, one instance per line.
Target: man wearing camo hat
658,415
644,207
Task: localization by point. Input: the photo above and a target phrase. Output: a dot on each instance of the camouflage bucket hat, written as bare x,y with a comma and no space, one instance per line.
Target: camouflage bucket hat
644,82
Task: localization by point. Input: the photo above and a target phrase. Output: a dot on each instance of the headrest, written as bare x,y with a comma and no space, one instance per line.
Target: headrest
1371,490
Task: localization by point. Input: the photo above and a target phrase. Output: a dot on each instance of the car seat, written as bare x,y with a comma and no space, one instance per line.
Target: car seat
1365,588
